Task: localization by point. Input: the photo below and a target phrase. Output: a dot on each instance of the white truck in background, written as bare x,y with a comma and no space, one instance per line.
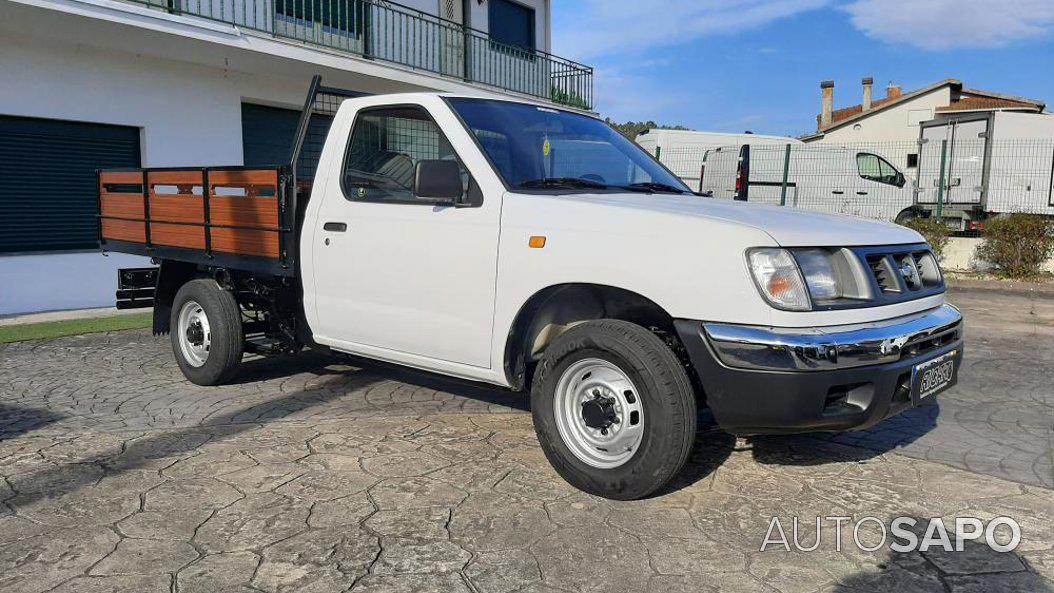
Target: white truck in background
993,163
680,150
823,178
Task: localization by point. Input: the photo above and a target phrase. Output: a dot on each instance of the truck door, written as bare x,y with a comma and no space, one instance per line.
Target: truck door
398,276
963,162
966,158
880,191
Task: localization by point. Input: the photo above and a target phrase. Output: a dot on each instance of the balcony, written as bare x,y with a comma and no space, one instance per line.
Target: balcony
389,32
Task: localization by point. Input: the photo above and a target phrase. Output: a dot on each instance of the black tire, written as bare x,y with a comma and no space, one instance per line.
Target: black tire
906,216
225,323
665,392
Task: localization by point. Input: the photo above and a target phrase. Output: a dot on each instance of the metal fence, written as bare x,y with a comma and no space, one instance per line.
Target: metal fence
879,179
390,32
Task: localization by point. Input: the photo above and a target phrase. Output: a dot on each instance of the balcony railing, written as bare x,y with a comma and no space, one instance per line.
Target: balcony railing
390,32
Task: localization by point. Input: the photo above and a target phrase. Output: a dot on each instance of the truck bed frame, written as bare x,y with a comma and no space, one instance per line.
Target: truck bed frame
230,217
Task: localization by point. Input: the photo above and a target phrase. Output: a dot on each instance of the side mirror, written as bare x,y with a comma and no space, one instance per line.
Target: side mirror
899,180
438,179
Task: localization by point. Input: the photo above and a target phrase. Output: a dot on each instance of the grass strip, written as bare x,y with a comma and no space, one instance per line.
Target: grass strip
47,330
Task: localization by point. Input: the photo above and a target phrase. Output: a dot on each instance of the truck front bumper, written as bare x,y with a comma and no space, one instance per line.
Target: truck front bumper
764,380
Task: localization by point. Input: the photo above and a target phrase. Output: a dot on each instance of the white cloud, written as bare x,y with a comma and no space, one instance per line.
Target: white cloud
948,24
624,26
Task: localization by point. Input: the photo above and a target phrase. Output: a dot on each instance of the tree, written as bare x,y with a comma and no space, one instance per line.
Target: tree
632,129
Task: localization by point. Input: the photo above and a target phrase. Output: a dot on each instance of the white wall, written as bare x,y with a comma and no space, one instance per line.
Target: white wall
50,282
188,115
959,256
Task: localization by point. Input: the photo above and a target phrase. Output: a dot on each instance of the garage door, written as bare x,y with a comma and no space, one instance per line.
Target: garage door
267,137
47,180
267,134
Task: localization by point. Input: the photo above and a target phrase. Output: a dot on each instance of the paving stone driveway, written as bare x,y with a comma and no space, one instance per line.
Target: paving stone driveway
313,476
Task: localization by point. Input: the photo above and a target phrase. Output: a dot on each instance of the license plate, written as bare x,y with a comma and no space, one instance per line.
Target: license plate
933,376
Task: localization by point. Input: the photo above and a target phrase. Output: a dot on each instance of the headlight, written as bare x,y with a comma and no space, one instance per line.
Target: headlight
818,268
787,278
778,278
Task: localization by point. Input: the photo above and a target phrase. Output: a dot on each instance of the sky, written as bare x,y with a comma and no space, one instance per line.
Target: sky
737,65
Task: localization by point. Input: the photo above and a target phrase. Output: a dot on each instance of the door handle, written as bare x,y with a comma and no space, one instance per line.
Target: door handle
335,227
861,193
837,192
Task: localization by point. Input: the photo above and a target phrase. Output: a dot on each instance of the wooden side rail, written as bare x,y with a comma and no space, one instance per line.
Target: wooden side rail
225,210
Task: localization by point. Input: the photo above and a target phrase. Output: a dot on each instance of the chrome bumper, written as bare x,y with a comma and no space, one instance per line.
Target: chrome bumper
830,348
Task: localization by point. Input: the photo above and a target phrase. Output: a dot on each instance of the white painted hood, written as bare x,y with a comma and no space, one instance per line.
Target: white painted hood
790,227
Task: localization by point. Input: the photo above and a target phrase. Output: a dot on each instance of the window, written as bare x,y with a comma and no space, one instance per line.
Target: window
547,150
511,23
913,160
385,146
875,168
343,15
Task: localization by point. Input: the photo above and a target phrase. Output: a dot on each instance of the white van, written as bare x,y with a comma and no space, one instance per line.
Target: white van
682,150
815,177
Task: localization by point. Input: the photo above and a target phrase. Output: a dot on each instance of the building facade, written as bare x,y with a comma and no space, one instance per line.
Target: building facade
892,123
91,84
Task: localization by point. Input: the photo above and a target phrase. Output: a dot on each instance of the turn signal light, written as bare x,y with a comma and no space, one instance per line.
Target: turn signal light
536,242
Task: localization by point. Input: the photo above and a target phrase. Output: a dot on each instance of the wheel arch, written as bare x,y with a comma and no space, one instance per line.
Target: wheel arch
172,275
552,310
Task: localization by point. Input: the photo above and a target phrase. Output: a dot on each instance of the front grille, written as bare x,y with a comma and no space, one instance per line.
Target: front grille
882,269
874,276
905,272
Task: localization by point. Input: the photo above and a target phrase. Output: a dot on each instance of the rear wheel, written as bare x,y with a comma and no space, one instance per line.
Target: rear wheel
206,332
614,409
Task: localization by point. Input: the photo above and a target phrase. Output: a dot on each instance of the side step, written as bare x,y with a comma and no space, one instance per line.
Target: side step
135,287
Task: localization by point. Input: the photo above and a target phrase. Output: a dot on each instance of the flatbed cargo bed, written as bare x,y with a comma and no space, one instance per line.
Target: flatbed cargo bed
224,216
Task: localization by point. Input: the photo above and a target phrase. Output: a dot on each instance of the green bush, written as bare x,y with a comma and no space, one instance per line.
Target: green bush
568,98
1017,245
935,232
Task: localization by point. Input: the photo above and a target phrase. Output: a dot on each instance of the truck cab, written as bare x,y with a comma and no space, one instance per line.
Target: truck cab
538,250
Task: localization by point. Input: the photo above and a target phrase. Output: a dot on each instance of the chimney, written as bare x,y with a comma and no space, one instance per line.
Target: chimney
866,103
893,91
826,102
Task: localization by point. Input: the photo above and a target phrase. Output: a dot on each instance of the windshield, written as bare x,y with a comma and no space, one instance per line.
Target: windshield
537,148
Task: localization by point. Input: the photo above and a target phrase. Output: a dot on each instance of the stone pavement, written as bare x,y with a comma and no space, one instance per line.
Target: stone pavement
999,420
314,475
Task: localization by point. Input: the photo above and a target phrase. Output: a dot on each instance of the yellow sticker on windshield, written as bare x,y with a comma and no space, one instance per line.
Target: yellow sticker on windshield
546,147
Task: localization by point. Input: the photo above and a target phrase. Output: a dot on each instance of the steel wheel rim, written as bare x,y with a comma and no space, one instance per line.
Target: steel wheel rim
194,334
583,382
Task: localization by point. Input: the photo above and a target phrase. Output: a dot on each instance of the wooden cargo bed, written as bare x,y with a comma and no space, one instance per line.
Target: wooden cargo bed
227,216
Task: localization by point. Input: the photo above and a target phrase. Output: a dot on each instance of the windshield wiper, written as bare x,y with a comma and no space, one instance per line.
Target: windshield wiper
563,182
652,186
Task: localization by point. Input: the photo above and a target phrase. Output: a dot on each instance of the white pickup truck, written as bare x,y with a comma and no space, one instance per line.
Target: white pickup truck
535,248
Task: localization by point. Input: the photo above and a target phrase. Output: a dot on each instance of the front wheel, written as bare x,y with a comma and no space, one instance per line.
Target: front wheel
206,332
614,409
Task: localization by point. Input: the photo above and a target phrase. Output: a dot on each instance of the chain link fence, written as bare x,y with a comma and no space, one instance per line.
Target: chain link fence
880,180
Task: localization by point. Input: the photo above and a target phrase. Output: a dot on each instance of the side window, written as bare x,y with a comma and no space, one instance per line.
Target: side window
867,166
385,146
875,168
